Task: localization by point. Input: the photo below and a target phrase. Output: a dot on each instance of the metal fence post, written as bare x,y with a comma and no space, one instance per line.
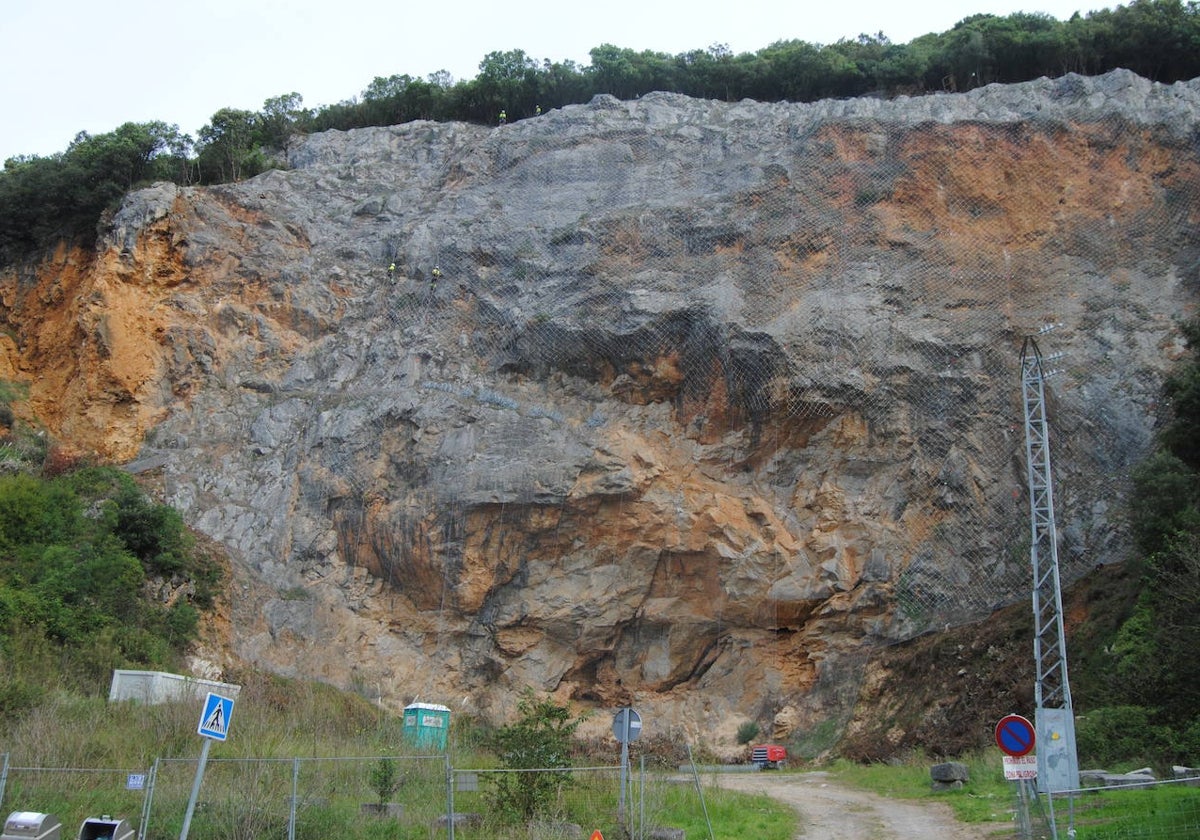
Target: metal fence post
292,802
449,797
642,800
3,777
148,801
700,791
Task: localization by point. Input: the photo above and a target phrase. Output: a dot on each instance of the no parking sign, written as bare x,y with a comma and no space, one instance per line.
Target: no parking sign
1014,735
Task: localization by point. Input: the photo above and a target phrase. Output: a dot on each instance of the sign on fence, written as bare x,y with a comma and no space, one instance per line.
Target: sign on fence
1017,767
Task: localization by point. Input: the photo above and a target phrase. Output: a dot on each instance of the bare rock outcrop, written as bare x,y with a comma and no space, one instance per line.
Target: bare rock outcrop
710,398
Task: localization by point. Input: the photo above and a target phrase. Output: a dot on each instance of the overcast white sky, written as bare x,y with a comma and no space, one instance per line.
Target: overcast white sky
83,65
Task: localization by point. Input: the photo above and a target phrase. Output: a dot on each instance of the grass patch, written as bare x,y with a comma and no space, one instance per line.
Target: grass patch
1166,810
818,739
1170,810
734,815
987,797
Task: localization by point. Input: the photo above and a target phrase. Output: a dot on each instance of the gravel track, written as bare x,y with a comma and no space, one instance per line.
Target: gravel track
829,811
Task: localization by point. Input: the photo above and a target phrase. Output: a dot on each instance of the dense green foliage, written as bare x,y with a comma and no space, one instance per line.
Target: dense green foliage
46,199
76,551
1147,707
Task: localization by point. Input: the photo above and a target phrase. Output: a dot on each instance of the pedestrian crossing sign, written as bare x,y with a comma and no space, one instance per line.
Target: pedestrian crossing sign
214,720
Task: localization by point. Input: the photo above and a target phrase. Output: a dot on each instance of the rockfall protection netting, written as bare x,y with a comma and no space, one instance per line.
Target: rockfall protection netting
839,330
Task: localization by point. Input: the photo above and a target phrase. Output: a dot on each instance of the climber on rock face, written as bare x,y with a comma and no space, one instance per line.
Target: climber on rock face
434,277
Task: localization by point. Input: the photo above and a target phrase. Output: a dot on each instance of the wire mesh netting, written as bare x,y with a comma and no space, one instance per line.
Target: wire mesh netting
73,794
1168,810
394,796
692,377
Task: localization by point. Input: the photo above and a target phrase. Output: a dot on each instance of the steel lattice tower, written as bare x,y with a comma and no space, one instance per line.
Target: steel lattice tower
1057,764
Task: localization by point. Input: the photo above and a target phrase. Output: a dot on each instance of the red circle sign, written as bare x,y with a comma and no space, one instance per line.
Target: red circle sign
1014,735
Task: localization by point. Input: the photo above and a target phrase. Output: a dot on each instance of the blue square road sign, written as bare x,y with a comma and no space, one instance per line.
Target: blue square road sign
214,720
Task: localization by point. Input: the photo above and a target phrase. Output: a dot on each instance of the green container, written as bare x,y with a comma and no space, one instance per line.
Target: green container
426,725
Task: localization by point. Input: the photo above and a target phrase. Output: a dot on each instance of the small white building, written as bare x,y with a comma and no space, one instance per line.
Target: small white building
154,687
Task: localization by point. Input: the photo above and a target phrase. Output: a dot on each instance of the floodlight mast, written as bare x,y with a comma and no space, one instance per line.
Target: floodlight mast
1057,764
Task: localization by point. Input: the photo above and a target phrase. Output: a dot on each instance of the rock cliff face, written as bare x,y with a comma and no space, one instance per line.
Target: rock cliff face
709,399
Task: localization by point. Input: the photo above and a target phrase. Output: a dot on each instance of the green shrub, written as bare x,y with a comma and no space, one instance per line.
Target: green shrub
383,779
1122,736
16,698
540,739
1187,743
747,732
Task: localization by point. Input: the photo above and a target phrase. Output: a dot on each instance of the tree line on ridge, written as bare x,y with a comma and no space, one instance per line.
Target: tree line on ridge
62,196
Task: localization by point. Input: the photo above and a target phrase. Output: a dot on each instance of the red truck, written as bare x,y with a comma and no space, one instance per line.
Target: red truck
768,756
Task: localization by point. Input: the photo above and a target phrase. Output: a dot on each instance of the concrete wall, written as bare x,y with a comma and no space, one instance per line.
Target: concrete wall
160,687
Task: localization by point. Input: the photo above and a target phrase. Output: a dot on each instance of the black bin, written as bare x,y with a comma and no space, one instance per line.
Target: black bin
31,825
105,828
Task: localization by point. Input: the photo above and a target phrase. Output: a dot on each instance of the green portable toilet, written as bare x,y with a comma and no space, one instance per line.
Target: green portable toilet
426,725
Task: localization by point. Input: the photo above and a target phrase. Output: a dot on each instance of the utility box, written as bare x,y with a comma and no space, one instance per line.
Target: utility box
30,825
105,828
426,725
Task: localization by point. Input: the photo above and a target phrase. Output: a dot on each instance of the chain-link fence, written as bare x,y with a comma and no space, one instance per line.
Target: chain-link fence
73,794
421,797
1151,810
371,797
562,804
300,797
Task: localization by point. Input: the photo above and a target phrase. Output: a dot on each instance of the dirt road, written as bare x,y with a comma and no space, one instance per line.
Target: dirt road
829,811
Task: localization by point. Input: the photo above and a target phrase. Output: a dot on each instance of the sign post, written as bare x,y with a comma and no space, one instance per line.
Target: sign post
214,726
1016,739
627,726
